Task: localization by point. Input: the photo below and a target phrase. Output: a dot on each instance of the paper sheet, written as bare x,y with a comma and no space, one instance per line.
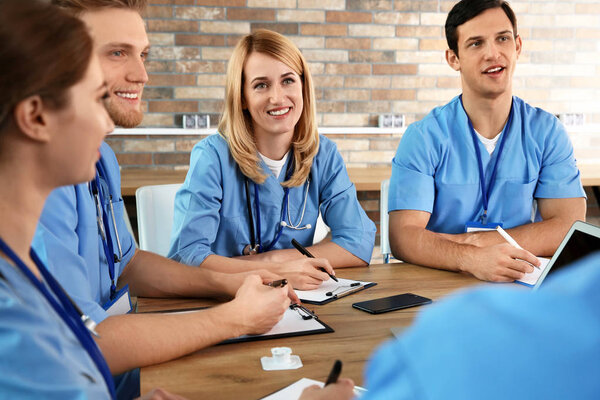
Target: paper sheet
319,294
291,322
531,278
293,391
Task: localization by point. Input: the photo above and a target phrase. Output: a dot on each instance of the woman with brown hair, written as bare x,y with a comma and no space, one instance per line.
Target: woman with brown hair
52,123
268,174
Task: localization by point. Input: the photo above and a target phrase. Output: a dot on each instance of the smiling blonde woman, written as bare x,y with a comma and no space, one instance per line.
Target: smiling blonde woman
266,177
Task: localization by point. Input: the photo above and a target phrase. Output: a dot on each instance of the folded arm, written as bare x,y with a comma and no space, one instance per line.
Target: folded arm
412,242
540,238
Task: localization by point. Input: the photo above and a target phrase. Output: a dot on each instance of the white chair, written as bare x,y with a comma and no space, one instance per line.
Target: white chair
321,230
155,208
384,238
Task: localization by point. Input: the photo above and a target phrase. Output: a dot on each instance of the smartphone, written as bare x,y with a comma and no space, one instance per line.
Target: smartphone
397,302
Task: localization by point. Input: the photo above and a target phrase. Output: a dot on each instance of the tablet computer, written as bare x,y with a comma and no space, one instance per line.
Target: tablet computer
581,240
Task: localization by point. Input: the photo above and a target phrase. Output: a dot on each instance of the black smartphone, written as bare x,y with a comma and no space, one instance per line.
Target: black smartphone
397,302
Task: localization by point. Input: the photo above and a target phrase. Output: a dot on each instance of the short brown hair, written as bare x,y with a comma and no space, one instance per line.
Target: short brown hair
44,52
77,7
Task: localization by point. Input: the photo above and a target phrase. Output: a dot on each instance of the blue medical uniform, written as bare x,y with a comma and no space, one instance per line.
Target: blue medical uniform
40,357
500,343
76,255
435,168
211,215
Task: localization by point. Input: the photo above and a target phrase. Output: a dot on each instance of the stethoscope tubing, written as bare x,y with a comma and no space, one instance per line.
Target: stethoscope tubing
104,226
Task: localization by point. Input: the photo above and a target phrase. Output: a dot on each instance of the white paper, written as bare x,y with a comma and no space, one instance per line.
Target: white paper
290,323
531,278
294,391
319,294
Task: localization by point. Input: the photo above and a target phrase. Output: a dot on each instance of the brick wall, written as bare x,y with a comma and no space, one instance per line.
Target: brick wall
368,56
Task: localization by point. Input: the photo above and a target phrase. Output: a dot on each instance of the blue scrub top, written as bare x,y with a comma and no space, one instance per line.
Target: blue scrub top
211,215
500,343
75,253
40,357
435,168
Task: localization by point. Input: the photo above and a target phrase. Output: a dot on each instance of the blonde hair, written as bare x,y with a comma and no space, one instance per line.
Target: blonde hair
236,123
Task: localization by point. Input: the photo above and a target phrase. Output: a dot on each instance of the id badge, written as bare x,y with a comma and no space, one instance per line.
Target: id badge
476,226
120,305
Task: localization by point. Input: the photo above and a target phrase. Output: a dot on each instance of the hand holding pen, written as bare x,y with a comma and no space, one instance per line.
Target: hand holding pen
512,242
305,252
335,388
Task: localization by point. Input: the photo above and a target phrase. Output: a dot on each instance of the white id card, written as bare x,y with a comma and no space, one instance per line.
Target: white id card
120,305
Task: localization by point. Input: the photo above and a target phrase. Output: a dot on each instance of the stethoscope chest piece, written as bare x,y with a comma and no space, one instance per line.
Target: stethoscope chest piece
249,250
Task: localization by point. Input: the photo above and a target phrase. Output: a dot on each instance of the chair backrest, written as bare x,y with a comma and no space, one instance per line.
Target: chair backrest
321,230
155,208
384,221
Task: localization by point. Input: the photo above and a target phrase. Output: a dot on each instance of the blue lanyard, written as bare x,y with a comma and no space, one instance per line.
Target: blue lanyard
485,194
105,234
65,310
286,192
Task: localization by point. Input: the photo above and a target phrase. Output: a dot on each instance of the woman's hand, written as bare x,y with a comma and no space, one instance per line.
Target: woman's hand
304,273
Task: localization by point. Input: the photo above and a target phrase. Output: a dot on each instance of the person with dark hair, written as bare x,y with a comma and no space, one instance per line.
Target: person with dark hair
93,255
485,159
52,90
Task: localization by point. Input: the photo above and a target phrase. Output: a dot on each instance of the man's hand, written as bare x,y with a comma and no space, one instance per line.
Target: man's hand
498,263
341,390
234,281
257,308
305,273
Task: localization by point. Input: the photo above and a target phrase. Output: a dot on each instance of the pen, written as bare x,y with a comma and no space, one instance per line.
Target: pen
510,240
303,250
507,237
279,283
349,291
335,372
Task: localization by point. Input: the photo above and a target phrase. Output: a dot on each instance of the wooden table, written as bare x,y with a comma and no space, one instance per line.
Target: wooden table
131,179
233,371
365,179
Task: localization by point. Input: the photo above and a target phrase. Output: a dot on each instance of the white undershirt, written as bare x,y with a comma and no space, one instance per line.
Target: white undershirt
275,165
490,144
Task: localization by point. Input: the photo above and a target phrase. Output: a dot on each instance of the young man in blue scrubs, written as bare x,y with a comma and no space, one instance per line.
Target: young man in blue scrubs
82,224
484,159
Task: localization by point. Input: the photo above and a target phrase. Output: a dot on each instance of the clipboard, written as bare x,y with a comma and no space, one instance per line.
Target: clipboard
338,290
292,324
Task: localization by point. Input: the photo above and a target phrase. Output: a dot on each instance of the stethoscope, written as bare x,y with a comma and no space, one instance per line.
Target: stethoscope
67,310
256,246
104,227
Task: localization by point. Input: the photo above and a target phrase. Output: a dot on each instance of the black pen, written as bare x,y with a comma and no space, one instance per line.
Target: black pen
303,250
335,372
279,283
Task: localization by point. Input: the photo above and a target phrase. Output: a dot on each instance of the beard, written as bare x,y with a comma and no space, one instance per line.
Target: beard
125,119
